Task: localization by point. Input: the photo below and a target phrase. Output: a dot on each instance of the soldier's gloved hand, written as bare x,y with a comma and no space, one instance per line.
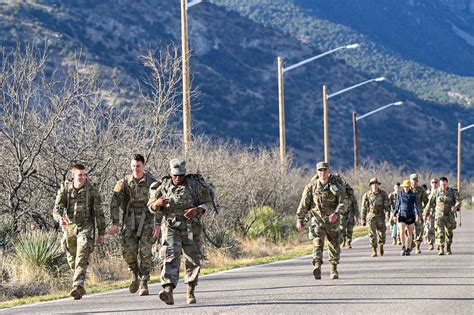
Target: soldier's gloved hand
63,223
333,217
454,209
191,213
156,230
113,229
364,223
101,239
299,226
426,218
160,203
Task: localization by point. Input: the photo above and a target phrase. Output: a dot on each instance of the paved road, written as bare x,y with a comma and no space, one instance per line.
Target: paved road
418,284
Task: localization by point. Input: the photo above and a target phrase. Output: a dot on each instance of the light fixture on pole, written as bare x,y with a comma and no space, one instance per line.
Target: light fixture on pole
281,95
326,97
355,119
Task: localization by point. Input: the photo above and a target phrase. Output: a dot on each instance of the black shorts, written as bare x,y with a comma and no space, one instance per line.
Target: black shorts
407,220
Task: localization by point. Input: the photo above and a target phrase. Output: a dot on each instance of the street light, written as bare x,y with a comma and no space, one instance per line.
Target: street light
281,96
185,5
355,119
459,152
325,110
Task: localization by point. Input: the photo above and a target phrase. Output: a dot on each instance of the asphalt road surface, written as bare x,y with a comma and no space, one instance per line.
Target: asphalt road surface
393,284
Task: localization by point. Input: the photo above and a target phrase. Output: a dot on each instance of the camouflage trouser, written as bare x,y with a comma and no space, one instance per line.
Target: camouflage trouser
318,231
78,244
137,250
347,228
377,229
418,234
429,233
177,238
445,224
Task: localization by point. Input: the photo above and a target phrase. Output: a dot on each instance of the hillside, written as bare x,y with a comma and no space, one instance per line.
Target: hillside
415,44
234,68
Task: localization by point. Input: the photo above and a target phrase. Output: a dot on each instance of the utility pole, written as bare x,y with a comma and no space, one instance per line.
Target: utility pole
356,148
185,70
281,110
326,136
459,157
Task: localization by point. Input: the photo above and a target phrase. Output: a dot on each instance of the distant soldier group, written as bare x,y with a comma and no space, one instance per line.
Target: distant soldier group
329,206
173,205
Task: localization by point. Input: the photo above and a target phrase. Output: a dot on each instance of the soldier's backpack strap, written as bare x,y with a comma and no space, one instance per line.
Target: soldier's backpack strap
200,180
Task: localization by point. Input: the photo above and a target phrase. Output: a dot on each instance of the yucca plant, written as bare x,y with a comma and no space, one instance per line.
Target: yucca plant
38,254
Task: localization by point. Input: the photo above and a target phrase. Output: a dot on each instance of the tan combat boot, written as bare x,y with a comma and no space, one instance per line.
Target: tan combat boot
381,249
417,248
76,293
448,249
343,243
143,288
373,252
82,290
134,283
317,272
190,298
440,250
349,245
166,295
334,273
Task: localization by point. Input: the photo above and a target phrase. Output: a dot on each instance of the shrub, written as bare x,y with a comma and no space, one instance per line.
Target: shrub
38,256
265,222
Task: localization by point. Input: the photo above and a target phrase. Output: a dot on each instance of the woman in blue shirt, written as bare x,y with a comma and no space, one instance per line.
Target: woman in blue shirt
406,212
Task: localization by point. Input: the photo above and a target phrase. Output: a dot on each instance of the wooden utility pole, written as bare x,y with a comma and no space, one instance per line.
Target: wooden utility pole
459,157
326,136
186,89
281,110
356,148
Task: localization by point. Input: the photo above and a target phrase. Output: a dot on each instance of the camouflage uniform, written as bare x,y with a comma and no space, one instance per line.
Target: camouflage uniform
392,197
375,205
136,237
322,200
429,231
179,234
348,221
82,209
422,200
440,202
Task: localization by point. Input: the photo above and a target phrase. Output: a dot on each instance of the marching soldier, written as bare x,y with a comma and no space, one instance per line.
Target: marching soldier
139,231
429,234
324,197
77,209
182,199
422,200
347,222
446,202
375,209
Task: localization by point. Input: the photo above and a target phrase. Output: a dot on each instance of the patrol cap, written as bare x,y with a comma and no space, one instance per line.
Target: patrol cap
414,177
178,167
406,183
374,180
321,165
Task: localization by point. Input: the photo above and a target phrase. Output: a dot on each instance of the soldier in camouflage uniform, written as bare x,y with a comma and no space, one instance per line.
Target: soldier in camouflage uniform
182,200
375,209
392,197
347,222
77,209
324,197
429,233
444,202
139,231
422,200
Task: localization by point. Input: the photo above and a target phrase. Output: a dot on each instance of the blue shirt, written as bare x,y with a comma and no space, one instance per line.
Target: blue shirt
406,204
